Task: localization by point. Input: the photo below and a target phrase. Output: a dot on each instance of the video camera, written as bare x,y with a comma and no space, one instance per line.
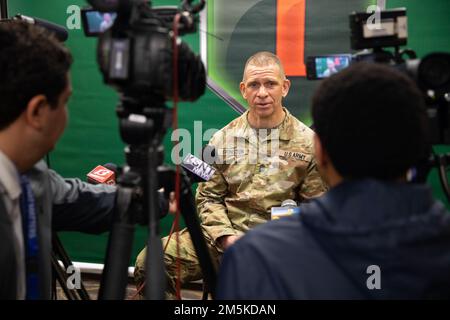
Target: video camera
135,50
139,53
390,31
432,73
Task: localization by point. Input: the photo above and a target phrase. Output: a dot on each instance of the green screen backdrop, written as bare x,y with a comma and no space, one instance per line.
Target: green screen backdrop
92,138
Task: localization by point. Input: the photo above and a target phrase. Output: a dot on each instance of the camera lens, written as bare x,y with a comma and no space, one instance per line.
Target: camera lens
434,71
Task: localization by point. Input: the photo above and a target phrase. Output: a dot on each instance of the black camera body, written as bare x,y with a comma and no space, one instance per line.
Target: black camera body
136,49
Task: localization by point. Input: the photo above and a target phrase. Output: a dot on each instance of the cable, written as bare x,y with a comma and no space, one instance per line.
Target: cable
176,22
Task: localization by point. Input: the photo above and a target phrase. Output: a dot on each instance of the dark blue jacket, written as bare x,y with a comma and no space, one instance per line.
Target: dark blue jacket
331,250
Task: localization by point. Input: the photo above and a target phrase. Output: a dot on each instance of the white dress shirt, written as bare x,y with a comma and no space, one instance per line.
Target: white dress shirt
10,191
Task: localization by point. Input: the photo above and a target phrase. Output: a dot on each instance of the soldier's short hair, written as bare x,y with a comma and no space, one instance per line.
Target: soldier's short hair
372,121
262,59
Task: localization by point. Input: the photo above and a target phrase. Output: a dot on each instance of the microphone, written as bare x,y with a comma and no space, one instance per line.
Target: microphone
288,208
200,170
105,174
59,31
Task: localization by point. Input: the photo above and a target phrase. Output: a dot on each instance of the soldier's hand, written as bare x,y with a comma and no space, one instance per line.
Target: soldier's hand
172,203
227,241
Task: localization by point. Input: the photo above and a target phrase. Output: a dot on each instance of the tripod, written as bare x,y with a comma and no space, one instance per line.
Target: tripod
58,253
143,129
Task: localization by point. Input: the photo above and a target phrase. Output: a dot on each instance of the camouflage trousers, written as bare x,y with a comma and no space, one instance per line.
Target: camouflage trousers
189,263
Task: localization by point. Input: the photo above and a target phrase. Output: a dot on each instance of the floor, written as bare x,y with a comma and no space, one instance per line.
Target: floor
92,284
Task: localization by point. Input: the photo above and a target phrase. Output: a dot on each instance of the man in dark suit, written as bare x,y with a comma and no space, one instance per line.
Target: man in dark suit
34,89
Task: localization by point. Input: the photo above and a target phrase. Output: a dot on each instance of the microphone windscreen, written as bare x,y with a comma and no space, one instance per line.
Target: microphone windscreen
201,170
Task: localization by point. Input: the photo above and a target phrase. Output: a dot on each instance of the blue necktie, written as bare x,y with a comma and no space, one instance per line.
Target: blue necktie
29,223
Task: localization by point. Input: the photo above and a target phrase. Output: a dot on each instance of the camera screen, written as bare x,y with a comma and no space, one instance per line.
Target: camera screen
97,22
328,65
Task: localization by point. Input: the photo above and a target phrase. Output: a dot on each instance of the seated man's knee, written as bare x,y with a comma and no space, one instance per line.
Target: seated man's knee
139,268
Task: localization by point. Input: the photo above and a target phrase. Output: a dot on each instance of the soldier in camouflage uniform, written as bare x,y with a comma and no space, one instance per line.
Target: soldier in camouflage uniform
263,158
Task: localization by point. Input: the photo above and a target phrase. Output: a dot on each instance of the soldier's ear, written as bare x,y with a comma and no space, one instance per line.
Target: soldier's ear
286,86
242,89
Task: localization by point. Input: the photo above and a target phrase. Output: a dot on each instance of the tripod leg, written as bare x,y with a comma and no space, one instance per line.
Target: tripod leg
62,278
189,213
155,267
205,291
190,218
60,252
120,243
155,290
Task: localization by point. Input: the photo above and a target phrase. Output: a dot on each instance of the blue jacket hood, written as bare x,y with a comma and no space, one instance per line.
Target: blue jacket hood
397,227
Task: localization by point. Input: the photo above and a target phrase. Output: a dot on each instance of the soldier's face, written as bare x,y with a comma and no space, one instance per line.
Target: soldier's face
263,87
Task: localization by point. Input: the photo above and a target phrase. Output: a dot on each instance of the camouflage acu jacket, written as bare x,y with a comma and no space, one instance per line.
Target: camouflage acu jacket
256,170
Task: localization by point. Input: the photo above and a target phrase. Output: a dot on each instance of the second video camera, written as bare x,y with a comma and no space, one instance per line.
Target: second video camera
432,73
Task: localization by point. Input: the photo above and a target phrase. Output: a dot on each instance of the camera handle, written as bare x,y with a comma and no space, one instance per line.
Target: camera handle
155,267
